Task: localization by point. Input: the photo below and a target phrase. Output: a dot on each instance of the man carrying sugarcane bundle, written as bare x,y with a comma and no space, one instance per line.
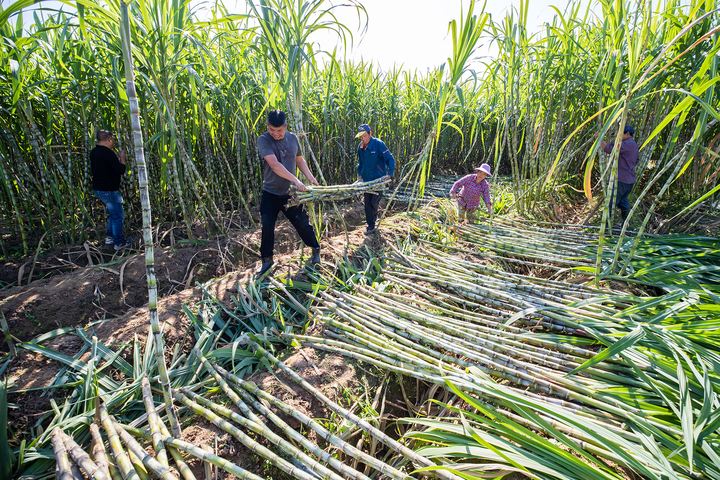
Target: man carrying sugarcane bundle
282,157
374,161
469,190
107,169
627,160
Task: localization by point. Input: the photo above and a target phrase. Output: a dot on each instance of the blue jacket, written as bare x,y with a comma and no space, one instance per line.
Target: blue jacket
375,160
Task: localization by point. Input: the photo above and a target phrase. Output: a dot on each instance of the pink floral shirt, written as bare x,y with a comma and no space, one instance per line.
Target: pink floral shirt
470,192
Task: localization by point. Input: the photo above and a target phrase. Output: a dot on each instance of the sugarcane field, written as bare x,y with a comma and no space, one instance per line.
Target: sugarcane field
360,239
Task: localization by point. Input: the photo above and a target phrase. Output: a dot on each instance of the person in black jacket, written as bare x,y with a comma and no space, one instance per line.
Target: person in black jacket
107,169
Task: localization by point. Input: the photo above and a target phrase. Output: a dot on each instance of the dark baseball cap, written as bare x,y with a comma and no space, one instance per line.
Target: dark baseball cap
362,129
630,130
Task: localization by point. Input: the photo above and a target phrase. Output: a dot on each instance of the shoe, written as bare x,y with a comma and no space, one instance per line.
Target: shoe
267,263
125,243
315,260
109,241
370,231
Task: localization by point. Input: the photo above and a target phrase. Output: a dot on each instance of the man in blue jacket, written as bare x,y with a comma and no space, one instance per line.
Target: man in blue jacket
374,161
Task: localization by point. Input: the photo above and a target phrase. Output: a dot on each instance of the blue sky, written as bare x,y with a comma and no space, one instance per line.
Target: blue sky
412,33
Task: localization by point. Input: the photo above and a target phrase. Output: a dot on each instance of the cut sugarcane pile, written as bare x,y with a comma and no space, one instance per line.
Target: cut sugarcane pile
335,192
535,392
296,455
664,260
509,375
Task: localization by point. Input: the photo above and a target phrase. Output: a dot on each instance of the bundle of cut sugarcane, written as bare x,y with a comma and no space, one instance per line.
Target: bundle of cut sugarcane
335,192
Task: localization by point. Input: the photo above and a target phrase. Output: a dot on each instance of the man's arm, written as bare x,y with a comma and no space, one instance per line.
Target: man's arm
389,161
303,167
606,147
282,172
118,162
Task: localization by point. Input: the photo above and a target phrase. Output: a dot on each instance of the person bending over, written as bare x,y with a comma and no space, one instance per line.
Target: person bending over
282,158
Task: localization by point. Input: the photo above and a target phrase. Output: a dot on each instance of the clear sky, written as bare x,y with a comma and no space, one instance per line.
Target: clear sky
414,33
411,33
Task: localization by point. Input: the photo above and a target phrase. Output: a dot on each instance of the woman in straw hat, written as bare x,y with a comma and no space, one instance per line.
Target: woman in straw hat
469,190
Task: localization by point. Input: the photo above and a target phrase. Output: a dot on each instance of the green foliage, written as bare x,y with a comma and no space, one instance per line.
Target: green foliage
204,86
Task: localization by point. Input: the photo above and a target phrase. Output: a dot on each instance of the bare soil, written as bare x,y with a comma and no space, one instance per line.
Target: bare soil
105,295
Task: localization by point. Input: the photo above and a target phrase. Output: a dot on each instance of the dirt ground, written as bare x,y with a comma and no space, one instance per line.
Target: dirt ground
105,295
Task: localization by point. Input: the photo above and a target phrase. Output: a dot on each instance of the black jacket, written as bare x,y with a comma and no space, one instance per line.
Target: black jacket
106,169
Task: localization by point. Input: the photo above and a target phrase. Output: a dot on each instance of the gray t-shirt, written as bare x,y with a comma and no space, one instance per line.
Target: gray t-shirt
285,151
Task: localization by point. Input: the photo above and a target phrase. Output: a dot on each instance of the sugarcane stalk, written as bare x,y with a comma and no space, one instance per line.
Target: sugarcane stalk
329,437
148,460
286,429
122,460
263,430
374,432
100,455
81,458
63,470
182,467
208,457
154,423
6,332
245,439
334,192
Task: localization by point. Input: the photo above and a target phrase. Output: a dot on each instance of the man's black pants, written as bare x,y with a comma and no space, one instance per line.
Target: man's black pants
372,205
623,190
270,206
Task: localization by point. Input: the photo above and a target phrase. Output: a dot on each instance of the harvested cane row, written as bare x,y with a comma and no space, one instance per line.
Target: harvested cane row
290,451
668,260
450,322
512,379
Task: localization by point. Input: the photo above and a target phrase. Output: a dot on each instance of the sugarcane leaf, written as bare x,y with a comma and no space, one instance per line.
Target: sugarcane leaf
651,304
478,438
616,348
686,411
52,334
7,459
708,396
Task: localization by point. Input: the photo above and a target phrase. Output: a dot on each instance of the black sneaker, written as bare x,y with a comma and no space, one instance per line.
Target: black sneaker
370,231
125,243
267,263
315,260
109,241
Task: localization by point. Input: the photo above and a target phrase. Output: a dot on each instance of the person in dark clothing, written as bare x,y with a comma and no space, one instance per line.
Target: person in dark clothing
627,160
107,169
374,161
282,157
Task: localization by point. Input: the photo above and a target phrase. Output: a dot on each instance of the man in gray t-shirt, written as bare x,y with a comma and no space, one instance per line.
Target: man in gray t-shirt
282,157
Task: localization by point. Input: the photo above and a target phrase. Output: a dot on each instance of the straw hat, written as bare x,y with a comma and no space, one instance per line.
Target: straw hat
484,168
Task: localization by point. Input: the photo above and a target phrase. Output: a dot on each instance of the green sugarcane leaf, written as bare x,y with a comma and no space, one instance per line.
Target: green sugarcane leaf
615,349
52,334
478,438
650,304
7,459
686,412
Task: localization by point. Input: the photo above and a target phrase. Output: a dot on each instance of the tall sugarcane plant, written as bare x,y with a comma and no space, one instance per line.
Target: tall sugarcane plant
148,242
205,83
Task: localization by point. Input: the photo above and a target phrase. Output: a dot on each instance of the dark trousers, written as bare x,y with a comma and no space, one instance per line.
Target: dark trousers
372,205
270,206
623,190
